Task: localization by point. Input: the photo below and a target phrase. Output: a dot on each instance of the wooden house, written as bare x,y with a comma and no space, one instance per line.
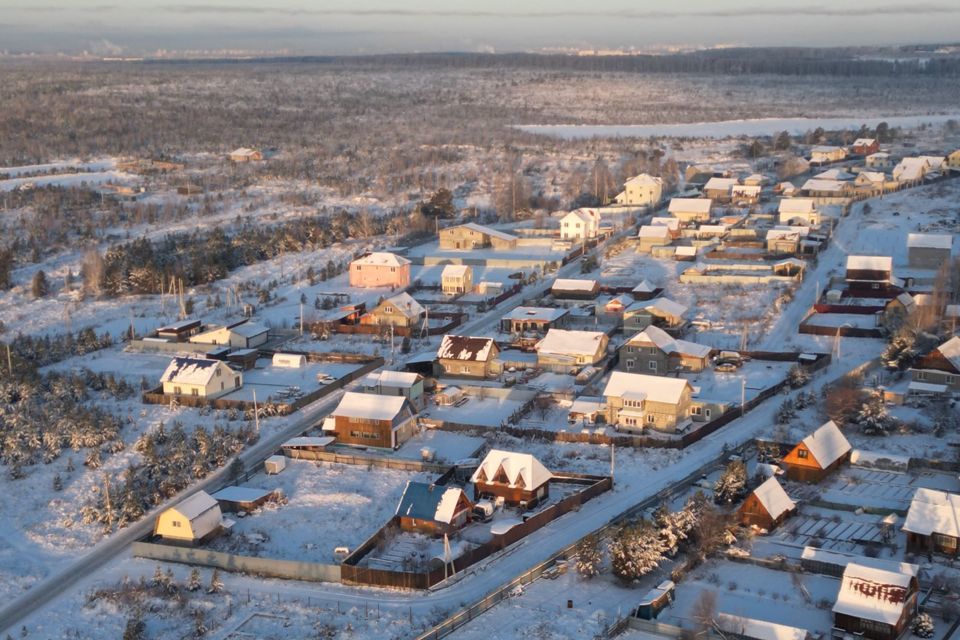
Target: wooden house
691,209
933,522
369,420
864,146
193,521
875,603
244,154
234,499
200,377
456,279
468,356
562,349
179,331
640,191
399,311
519,479
929,250
575,289
653,351
817,455
742,194
940,367
380,269
767,506
869,273
472,236
636,401
432,509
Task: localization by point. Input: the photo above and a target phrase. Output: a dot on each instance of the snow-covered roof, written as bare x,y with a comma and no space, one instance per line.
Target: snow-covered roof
792,233
815,184
645,287
873,594
879,155
521,469
465,348
666,343
241,494
951,351
371,407
568,343
571,284
797,205
930,240
243,151
952,311
671,223
536,314
824,148
307,441
656,388
386,378
189,370
405,304
382,259
425,501
773,498
686,251
585,215
249,329
741,627
644,178
843,559
864,142
455,271
720,184
746,189
663,305
493,233
835,174
827,444
690,205
658,231
933,511
869,263
911,169
179,326
196,505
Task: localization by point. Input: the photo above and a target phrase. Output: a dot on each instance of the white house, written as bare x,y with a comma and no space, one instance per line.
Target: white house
879,160
456,279
240,335
911,171
794,211
691,209
193,520
192,376
641,191
580,224
823,154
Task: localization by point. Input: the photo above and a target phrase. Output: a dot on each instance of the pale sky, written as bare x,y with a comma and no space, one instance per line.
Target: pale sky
383,26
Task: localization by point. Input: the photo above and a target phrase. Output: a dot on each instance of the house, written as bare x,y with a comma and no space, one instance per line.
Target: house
869,272
537,320
618,304
661,312
467,356
399,311
518,479
818,454
369,420
180,331
691,209
953,160
718,189
636,401
911,171
741,628
653,235
755,180
819,188
786,189
192,521
935,163
933,522
646,290
695,176
786,240
767,506
474,236
929,250
875,603
672,224
405,384
580,224
798,211
575,289
245,155
745,193
897,311
380,269
432,509
239,335
200,377
654,351
641,191
562,350
879,160
940,367
864,146
456,279
823,154
871,182
234,499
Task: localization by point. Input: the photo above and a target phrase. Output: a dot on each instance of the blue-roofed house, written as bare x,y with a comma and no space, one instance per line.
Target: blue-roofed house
433,509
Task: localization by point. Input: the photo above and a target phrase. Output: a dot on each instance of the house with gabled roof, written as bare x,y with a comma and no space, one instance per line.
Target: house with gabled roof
472,236
468,356
798,211
691,209
640,191
875,603
820,188
192,521
865,146
929,250
515,478
400,310
911,171
718,189
655,352
243,154
817,455
879,160
580,224
661,312
199,377
575,289
653,235
456,279
823,154
933,522
636,401
562,349
940,369
766,506
380,269
395,383
869,273
369,420
242,334
433,509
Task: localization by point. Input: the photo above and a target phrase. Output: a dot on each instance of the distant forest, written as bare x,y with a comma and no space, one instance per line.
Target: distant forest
796,61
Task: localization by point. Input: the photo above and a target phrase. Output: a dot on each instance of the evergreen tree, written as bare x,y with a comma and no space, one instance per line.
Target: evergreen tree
635,551
193,584
732,484
39,286
216,582
589,557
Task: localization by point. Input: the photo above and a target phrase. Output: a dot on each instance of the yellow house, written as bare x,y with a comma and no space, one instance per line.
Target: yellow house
641,190
194,520
192,376
241,335
562,349
456,279
953,160
691,209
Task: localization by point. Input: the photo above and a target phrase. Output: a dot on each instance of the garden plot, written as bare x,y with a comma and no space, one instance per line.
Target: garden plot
726,387
447,447
835,533
482,412
282,384
875,489
322,498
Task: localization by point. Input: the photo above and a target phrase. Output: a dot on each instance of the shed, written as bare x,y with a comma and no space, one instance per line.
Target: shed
192,521
289,360
767,506
433,509
655,601
246,359
234,499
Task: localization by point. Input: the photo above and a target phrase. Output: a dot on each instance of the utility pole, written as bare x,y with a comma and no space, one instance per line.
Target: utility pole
107,503
301,318
256,412
9,360
743,396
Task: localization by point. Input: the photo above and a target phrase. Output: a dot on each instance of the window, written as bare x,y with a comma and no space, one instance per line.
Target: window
696,411
707,413
218,372
221,385
464,368
194,392
175,523
630,364
652,351
802,454
941,541
651,418
921,375
652,365
177,390
236,382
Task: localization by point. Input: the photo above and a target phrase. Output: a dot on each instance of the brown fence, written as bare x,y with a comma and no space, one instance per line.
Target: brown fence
455,320
359,459
351,573
844,332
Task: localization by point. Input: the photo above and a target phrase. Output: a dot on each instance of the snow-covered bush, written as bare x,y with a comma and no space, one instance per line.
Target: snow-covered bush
589,557
635,551
873,418
923,626
797,376
732,484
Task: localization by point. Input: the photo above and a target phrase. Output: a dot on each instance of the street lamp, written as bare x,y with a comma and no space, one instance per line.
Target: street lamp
836,339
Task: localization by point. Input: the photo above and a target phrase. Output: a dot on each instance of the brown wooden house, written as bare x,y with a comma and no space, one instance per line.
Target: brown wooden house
433,509
467,356
940,367
369,420
875,603
516,478
818,454
767,506
933,522
869,273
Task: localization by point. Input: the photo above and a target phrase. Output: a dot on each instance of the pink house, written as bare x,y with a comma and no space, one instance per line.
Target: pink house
380,269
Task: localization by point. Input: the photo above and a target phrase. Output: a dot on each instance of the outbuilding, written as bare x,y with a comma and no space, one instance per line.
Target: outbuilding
193,521
767,506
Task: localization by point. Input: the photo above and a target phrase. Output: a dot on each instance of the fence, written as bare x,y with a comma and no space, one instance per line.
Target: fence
842,331
359,459
268,567
455,320
351,573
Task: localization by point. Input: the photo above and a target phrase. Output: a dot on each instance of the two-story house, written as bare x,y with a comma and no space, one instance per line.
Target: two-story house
369,420
653,351
636,401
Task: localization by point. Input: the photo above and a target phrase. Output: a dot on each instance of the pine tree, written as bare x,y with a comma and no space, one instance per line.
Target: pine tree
589,557
193,584
635,551
923,626
39,286
216,582
732,484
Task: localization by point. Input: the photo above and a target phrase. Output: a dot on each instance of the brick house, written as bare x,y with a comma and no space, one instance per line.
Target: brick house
380,269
